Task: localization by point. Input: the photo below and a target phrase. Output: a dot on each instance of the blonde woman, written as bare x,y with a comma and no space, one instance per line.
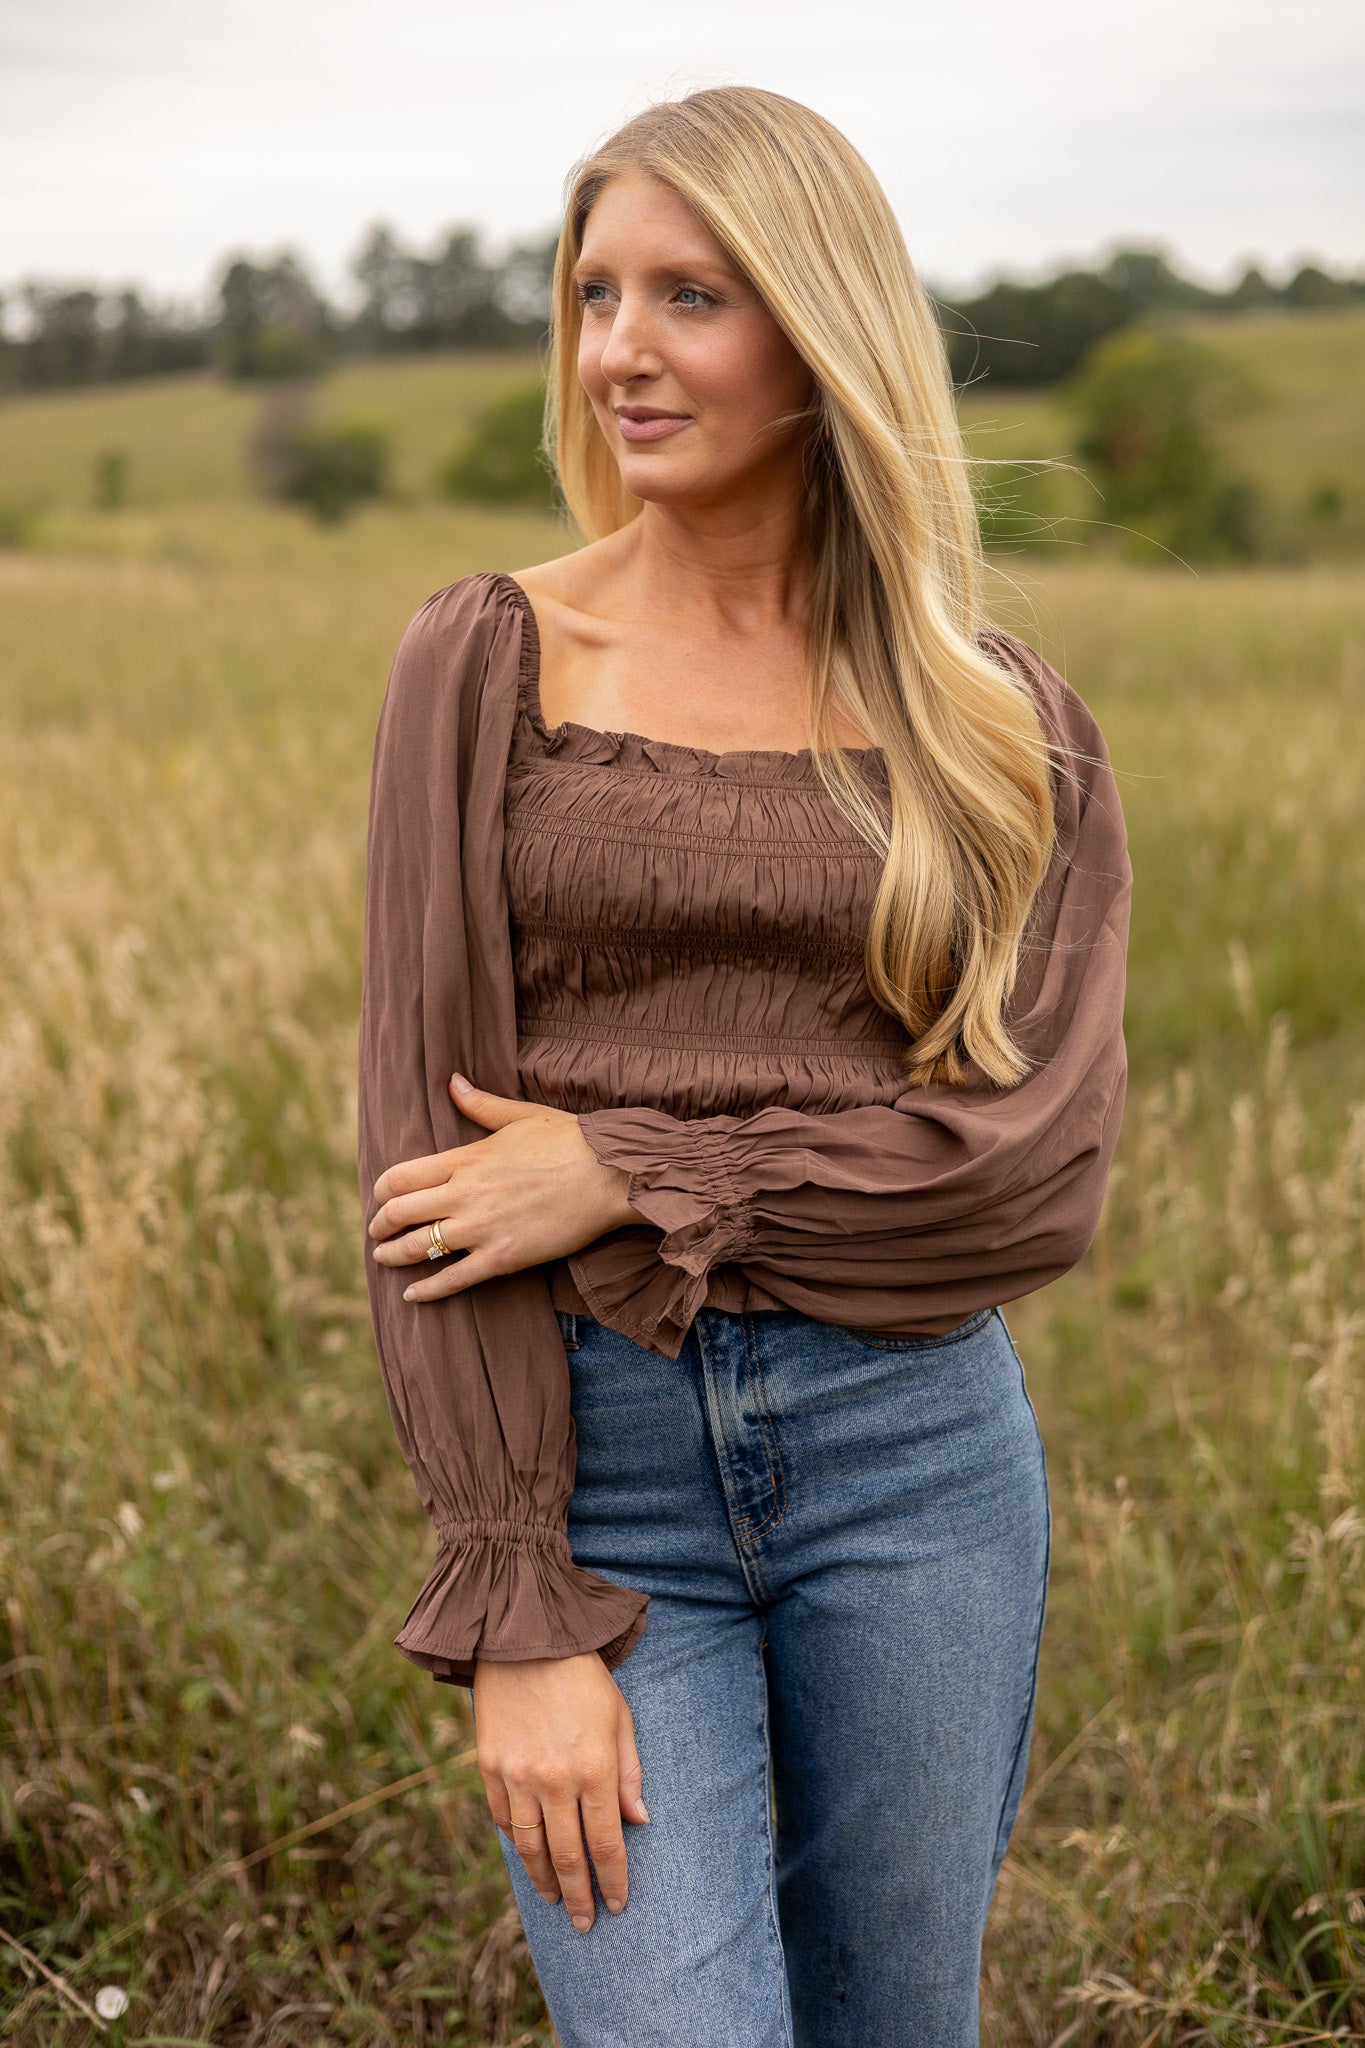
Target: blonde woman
744,967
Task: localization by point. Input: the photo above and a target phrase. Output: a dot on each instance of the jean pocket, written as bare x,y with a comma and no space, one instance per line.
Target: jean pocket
568,1329
880,1343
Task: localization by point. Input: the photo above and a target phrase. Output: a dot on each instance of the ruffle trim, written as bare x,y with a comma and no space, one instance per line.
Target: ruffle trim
706,1225
505,1590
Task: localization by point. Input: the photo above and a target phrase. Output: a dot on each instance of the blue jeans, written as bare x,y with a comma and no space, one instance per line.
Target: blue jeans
845,1543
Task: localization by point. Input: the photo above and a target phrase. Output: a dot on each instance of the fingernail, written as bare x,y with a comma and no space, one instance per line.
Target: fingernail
615,1905
460,1081
644,1810
407,1294
582,1922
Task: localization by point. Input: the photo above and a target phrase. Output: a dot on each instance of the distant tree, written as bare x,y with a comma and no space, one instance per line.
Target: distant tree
392,299
64,333
327,469
523,283
1252,290
1149,404
458,297
111,479
273,322
1313,287
1148,282
501,463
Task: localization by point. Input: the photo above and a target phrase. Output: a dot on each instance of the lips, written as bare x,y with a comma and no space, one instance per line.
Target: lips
647,423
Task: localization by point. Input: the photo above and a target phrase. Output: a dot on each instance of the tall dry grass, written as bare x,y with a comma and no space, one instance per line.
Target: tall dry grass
220,1786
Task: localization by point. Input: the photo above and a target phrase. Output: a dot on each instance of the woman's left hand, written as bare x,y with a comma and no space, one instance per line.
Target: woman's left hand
536,1190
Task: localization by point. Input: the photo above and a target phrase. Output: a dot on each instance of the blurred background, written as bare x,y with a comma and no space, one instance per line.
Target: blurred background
273,298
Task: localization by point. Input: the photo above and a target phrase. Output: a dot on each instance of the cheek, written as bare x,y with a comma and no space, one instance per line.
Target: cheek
590,363
748,374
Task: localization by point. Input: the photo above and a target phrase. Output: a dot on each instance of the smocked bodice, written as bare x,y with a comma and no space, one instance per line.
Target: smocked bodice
687,926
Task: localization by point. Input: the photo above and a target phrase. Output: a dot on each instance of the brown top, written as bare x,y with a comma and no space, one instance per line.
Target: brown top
668,942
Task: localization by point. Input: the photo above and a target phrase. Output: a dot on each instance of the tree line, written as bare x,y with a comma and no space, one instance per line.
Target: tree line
269,320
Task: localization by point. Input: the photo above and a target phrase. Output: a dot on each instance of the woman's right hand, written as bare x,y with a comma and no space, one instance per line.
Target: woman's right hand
556,1744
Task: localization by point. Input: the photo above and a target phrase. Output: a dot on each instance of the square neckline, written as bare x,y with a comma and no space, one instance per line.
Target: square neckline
530,680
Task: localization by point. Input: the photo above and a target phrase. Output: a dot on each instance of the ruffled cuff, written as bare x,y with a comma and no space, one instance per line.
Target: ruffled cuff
504,1591
686,1189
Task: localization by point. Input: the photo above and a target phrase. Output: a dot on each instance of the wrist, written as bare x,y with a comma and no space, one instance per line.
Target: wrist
618,1199
615,1183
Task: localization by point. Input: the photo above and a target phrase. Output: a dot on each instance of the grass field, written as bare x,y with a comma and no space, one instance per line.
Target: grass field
220,1787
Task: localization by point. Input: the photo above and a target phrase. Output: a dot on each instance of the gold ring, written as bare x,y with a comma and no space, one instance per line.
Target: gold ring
514,1825
439,1248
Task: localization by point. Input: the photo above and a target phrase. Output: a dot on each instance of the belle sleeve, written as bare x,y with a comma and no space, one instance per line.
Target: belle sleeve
477,1383
949,1199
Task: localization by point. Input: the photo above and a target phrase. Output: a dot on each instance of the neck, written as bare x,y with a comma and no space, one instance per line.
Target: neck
739,563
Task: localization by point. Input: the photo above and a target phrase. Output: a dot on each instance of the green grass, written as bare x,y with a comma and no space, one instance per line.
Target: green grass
186,436
220,1786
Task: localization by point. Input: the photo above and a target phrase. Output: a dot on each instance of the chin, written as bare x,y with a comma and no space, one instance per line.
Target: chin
654,483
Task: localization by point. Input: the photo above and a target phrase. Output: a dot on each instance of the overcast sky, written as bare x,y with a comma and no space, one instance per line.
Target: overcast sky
142,139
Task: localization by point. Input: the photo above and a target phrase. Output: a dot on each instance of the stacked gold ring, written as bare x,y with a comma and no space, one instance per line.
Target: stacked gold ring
439,1248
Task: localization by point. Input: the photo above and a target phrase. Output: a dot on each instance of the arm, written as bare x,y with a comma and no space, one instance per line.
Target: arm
477,1383
948,1199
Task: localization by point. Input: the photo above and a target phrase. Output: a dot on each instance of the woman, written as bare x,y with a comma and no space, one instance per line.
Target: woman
741,1027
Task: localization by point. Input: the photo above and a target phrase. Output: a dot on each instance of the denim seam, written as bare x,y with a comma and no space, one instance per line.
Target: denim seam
1031,1702
777,1477
774,1921
958,1336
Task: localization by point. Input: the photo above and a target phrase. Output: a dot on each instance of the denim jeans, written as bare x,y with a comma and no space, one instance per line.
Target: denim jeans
845,1543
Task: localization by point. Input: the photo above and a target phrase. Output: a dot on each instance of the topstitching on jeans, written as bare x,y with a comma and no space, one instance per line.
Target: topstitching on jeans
1005,1819
773,1920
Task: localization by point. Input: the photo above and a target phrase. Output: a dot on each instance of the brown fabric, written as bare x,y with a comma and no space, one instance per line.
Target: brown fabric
668,942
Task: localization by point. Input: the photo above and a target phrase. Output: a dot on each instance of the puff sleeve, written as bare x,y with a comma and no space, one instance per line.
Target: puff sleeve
477,1383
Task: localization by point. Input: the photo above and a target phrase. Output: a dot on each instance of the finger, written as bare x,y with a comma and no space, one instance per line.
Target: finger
531,1846
570,1859
494,1110
412,1248
408,1174
404,1212
456,1278
601,1806
527,1841
630,1773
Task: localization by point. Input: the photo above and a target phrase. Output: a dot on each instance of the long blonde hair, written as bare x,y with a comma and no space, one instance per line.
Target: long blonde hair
895,545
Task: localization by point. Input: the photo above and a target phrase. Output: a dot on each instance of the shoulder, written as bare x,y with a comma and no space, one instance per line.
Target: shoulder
1087,804
1076,746
462,616
453,681
1066,716
468,637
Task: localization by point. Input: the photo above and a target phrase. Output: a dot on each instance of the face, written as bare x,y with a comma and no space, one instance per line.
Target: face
687,370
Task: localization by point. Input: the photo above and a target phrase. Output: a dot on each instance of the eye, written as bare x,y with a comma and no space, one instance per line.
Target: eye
585,291
696,295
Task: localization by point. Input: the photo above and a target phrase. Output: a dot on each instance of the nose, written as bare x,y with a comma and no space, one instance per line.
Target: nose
631,348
